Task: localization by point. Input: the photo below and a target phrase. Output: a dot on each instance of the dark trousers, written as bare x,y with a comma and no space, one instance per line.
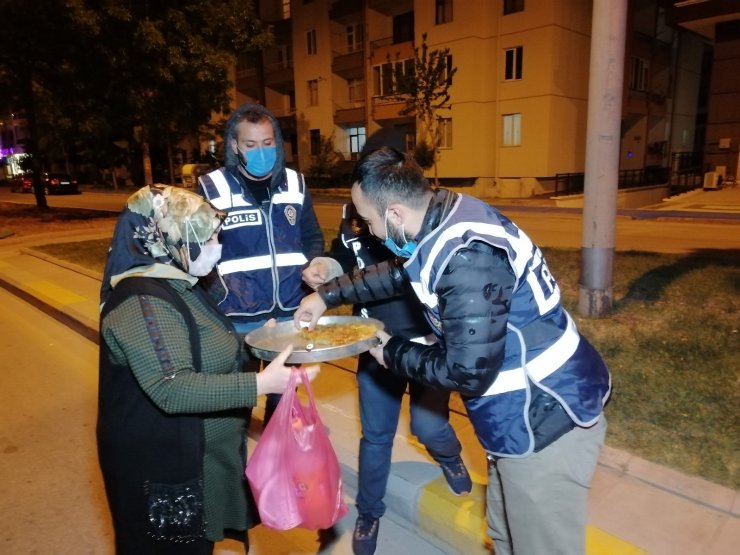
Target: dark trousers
380,396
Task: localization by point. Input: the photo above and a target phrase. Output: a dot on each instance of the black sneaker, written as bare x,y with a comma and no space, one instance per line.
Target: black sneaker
365,536
457,476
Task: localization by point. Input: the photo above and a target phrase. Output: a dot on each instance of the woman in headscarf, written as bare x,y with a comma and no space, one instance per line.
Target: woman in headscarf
173,403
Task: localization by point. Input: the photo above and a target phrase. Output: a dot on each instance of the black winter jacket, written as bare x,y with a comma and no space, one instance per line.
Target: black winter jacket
471,333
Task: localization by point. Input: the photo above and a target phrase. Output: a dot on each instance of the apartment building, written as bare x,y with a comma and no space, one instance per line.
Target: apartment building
718,23
519,97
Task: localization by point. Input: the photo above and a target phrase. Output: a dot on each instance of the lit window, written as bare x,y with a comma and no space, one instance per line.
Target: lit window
356,141
311,42
442,11
444,133
286,9
313,92
639,74
512,129
513,6
513,63
354,37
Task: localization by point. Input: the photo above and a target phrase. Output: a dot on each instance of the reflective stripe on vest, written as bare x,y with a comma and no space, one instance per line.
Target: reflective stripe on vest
261,263
226,199
539,367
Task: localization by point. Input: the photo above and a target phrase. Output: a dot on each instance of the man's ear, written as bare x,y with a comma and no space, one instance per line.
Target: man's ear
234,146
396,214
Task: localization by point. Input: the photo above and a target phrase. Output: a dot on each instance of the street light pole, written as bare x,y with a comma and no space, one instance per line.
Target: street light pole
603,138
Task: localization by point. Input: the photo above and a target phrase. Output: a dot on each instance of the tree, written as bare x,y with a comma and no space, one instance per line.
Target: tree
32,52
170,62
87,75
425,92
325,161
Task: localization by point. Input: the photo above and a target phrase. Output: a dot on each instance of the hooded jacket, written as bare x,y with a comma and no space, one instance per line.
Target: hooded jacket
265,245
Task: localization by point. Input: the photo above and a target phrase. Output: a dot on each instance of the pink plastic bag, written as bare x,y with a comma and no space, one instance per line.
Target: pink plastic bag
294,472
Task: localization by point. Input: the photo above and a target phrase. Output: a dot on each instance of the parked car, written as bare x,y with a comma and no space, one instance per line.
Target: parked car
21,183
53,183
59,183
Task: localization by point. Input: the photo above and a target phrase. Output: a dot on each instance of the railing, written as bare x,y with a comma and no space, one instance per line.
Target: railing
568,183
572,183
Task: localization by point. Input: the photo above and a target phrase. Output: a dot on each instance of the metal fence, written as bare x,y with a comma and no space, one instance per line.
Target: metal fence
572,183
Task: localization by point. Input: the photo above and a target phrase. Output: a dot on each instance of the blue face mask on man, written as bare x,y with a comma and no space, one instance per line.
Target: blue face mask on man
406,250
260,161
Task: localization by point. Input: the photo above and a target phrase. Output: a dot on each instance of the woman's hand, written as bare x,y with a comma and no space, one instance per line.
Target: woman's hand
275,376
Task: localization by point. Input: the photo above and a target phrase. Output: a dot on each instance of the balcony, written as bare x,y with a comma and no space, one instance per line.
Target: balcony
703,17
387,109
354,115
247,82
342,9
384,50
349,65
390,8
279,77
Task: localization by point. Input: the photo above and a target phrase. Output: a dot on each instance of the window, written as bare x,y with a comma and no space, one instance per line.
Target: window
311,42
639,74
444,132
313,92
512,128
513,63
356,141
315,141
385,77
410,140
284,55
513,6
403,27
354,37
286,9
447,75
356,91
442,11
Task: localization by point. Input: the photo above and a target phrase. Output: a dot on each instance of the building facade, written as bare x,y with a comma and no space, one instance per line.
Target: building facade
517,115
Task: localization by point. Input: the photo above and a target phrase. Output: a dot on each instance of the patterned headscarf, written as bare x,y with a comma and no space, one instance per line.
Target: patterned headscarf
158,232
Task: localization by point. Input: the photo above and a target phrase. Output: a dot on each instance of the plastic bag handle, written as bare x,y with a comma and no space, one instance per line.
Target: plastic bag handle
308,414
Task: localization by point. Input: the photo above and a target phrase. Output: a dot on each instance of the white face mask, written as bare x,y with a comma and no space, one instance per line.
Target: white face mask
209,256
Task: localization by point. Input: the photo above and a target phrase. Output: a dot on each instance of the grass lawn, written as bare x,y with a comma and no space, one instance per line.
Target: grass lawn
671,342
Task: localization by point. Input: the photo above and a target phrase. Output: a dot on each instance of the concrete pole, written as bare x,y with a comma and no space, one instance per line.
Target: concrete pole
602,156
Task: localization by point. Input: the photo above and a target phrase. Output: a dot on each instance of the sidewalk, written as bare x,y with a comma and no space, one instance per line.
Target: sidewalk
636,507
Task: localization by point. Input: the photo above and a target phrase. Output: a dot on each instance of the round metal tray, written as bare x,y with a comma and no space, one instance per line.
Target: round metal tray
267,342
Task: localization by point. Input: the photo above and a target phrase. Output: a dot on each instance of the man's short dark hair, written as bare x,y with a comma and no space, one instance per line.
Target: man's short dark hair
386,175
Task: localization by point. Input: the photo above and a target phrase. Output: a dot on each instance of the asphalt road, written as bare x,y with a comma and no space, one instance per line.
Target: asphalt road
51,496
648,230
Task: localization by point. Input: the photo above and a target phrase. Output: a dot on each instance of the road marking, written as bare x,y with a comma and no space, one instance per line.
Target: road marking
49,291
461,522
599,542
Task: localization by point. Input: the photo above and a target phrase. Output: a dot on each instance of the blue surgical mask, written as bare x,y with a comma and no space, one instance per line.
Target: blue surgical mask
406,250
260,161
